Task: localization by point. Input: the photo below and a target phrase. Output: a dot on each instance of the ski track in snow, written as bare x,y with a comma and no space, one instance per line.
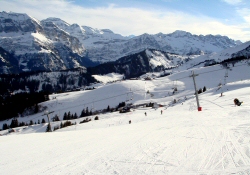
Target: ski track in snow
201,144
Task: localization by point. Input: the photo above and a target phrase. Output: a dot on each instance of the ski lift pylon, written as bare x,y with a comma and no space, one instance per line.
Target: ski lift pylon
93,106
127,98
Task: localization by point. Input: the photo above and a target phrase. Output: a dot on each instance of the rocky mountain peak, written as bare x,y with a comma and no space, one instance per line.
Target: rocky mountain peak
107,31
18,22
14,16
180,33
57,21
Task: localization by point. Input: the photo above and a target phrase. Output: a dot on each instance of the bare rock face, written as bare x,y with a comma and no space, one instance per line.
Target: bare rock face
15,22
39,45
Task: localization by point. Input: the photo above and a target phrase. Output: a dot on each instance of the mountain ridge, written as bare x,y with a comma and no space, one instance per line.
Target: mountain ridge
53,44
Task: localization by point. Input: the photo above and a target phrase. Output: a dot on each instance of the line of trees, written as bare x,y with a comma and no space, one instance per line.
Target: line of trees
15,123
67,116
202,90
64,81
14,105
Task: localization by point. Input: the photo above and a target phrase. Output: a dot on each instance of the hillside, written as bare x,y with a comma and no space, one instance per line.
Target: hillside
8,62
179,141
160,89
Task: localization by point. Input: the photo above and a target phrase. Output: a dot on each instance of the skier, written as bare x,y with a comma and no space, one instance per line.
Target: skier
237,102
145,114
161,112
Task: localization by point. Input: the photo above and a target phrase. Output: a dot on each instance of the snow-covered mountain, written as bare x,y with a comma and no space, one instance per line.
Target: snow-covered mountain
53,44
231,54
134,65
39,45
104,45
178,42
88,36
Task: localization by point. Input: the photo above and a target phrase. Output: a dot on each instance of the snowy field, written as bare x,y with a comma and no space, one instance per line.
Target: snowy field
181,140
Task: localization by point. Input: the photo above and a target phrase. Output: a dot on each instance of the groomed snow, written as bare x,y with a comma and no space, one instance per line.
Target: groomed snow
108,77
181,140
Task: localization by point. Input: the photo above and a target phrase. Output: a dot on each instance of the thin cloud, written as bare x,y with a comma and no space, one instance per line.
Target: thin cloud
245,14
126,21
233,2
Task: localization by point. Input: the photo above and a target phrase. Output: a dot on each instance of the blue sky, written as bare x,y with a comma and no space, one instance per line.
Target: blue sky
135,17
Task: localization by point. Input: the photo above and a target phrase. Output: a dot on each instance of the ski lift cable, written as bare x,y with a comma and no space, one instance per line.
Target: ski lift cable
219,69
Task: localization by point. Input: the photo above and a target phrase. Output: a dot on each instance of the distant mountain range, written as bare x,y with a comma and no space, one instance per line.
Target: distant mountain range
28,44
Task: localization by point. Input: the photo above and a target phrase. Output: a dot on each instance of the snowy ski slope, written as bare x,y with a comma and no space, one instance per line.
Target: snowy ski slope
180,141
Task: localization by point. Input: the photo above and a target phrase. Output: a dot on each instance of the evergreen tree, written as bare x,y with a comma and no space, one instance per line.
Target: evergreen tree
14,123
43,121
87,111
69,115
122,104
56,118
31,122
75,116
65,116
200,91
5,126
48,129
83,114
21,124
108,108
204,89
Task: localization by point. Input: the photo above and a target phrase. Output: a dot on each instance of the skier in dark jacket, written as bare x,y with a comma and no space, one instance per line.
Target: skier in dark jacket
237,102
